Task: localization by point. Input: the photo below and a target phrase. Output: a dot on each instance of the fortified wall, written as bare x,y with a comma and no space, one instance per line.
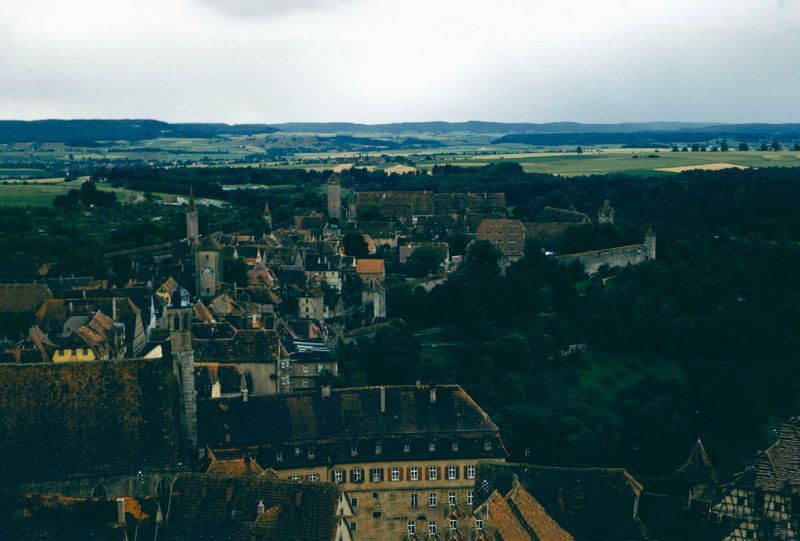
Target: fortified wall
618,256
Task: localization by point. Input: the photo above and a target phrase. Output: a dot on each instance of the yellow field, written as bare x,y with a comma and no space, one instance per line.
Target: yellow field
704,167
400,169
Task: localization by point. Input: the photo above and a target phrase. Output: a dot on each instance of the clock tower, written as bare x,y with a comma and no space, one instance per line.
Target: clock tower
207,267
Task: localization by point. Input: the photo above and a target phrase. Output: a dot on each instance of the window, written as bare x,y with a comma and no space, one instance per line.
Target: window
414,474
451,497
455,446
431,447
356,475
414,499
376,474
278,457
338,476
313,477
432,528
406,448
469,498
311,454
353,450
296,478
432,499
354,502
375,496
395,474
305,369
452,472
478,524
470,472
433,473
305,382
319,368
353,526
487,446
297,451
378,448
453,524
412,528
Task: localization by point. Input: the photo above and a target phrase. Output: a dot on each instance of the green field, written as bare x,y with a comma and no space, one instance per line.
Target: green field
41,193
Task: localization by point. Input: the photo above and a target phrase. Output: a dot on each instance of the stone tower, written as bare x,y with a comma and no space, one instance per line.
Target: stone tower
207,267
179,312
351,205
606,213
192,230
650,243
334,198
267,215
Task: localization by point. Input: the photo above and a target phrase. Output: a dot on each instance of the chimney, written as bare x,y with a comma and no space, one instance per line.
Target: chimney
383,399
433,395
113,307
260,507
326,391
243,388
514,481
121,510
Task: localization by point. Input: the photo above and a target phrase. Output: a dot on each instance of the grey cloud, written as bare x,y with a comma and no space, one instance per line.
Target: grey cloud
270,8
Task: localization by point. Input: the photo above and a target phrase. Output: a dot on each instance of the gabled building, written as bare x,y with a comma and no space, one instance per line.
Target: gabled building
405,456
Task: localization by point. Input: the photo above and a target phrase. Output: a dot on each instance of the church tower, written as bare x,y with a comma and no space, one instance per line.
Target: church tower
267,215
650,243
207,267
179,312
192,230
334,198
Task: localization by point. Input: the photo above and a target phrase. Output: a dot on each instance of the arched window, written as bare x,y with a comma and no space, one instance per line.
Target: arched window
177,322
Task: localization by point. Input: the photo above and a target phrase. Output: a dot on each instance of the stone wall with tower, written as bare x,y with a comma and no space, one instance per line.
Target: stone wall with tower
179,313
334,197
192,228
207,267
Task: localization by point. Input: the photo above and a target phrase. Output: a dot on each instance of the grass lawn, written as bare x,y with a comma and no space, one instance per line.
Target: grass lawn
42,193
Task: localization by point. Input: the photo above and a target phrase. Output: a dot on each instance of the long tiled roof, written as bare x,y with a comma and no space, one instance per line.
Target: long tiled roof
87,418
23,298
328,426
211,507
518,516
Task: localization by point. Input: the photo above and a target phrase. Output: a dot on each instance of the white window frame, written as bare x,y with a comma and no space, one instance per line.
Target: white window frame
311,454
296,478
452,472
313,477
375,474
469,498
414,500
338,475
433,473
455,446
411,528
487,446
278,457
432,528
305,383
414,475
320,368
452,498
432,500
358,475
453,524
378,448
470,471
406,448
395,474
479,524
353,450
431,447
305,369
297,451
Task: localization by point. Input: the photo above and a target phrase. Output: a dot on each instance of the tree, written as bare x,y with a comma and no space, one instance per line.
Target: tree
744,147
775,145
235,270
423,261
724,147
796,146
764,146
579,150
675,148
355,245
482,260
695,147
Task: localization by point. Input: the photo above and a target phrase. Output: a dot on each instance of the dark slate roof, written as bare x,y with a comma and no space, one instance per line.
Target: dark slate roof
666,518
778,467
552,214
90,418
208,244
328,426
242,346
221,508
697,468
590,503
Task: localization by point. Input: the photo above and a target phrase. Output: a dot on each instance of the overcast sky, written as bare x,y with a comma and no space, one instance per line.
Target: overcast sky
401,60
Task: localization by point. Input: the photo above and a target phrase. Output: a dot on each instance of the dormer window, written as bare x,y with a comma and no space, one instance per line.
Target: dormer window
487,446
431,447
305,369
311,454
353,450
297,451
378,448
278,457
406,448
455,446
